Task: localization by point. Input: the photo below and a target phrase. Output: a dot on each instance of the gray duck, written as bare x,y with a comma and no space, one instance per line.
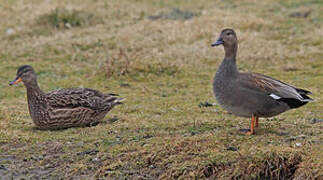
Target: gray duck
251,94
64,108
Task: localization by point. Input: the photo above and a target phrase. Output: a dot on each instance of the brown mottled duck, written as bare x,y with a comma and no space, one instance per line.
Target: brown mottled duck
64,108
251,94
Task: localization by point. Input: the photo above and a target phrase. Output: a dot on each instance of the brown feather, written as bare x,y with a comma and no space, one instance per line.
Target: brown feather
65,108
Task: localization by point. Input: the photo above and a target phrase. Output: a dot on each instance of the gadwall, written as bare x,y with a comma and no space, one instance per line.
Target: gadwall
251,94
64,108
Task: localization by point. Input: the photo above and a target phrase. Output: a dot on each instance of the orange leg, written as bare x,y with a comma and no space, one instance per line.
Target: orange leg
252,126
256,125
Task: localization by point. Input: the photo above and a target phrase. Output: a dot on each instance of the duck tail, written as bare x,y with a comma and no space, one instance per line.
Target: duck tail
113,94
112,99
111,102
303,91
304,94
118,101
306,98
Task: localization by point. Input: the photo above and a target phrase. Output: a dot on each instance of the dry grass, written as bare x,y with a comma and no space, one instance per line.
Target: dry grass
164,68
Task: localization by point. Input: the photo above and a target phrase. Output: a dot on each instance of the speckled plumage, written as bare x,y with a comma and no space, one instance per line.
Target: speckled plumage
64,108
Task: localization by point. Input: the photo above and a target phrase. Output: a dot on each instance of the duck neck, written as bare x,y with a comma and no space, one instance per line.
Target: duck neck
228,67
231,52
33,91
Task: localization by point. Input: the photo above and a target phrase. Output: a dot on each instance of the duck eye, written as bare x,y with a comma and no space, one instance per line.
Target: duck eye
23,72
228,34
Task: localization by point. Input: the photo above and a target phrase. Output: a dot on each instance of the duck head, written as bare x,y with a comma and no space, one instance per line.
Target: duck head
26,74
227,38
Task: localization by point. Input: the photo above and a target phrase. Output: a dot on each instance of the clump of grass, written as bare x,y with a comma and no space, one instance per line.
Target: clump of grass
158,68
174,14
120,64
62,18
117,64
272,166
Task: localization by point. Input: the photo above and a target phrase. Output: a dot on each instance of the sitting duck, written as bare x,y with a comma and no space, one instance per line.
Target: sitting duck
251,94
64,108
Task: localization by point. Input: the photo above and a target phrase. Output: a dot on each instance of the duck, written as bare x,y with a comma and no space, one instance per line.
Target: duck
251,95
64,108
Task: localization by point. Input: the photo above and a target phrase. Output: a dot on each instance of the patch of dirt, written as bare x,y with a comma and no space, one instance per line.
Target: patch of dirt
300,14
45,161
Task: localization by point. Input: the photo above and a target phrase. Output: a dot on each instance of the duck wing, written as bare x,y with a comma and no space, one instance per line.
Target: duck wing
81,97
280,91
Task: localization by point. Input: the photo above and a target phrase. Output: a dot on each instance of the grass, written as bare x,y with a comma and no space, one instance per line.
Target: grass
62,18
164,68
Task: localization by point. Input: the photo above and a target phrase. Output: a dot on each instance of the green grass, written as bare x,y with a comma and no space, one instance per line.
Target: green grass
164,68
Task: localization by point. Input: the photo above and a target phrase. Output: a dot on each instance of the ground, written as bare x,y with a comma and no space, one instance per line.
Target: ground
157,55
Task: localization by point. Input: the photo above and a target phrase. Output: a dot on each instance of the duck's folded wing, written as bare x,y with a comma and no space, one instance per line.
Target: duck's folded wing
80,97
276,89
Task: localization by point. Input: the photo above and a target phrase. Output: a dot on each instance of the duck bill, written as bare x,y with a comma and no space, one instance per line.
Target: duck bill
15,81
218,42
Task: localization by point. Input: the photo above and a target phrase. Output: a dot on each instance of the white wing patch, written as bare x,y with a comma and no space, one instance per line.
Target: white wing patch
274,96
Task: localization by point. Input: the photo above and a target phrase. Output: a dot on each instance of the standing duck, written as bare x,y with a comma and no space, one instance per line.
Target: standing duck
251,94
66,107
